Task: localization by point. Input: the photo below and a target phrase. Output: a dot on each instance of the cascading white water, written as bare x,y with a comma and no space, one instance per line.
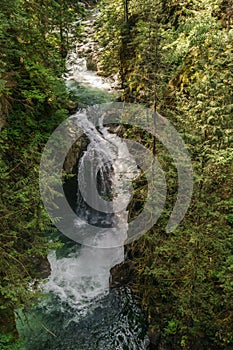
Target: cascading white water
81,313
77,71
83,276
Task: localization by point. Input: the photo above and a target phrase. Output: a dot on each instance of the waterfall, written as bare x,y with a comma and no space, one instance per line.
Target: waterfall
83,276
80,312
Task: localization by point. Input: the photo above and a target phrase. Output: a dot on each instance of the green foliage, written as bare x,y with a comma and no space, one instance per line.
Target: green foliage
179,61
33,101
109,34
173,57
7,343
171,328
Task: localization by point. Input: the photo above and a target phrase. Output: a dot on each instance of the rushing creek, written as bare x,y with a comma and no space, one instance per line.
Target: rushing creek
79,311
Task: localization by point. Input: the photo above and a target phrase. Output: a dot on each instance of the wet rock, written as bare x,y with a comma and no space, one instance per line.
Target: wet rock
75,154
72,106
122,274
89,30
80,51
87,49
41,268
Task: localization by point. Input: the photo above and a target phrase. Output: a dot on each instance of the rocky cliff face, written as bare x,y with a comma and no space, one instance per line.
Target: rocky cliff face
74,154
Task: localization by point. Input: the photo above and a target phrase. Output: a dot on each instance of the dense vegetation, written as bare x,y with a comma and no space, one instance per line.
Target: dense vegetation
33,101
176,58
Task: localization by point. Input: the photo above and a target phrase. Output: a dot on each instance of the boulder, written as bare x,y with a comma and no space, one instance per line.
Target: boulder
123,274
75,154
41,268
